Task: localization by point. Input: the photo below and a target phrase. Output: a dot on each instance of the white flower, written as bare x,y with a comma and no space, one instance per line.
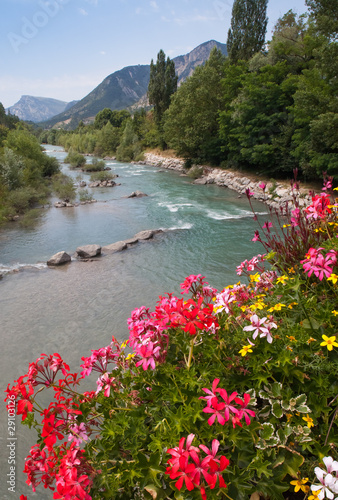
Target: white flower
327,481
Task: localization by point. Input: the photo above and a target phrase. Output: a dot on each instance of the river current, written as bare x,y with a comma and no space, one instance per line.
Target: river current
206,230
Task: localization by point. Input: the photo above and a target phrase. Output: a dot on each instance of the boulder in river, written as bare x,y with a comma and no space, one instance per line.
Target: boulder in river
146,235
88,251
59,259
137,194
115,247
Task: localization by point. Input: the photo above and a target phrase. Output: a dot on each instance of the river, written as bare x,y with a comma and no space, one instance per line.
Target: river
206,230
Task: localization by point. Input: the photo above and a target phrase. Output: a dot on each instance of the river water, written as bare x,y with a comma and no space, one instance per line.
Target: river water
206,230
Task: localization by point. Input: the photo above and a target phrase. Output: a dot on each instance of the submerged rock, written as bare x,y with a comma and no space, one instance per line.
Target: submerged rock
137,194
146,235
88,251
115,247
59,259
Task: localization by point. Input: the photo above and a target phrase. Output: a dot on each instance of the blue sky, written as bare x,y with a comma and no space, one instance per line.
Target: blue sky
65,48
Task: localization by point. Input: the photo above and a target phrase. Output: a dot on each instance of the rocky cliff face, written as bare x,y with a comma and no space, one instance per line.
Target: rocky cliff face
128,87
37,109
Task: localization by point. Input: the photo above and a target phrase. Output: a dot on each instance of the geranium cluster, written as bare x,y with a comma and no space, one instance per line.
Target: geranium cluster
224,407
328,480
149,331
58,465
318,264
189,468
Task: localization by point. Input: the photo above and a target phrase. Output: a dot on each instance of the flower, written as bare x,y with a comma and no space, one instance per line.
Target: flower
309,421
329,342
299,484
335,313
333,278
257,326
245,349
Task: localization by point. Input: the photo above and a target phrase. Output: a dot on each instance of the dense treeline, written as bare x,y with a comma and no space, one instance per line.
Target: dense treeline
24,169
270,112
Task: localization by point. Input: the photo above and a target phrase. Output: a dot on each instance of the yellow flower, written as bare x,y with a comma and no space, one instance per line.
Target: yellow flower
286,225
308,421
243,308
329,342
299,484
333,278
335,189
282,279
291,337
311,339
130,356
245,349
290,306
124,344
289,348
289,416
255,277
335,312
291,270
277,307
314,495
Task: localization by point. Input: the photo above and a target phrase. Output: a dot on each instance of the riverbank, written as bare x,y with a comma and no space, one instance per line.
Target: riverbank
275,194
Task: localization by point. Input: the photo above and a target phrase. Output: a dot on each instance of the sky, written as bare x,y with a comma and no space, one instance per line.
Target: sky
63,49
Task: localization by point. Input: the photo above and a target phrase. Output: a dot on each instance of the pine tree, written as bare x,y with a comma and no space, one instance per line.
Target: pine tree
162,84
246,35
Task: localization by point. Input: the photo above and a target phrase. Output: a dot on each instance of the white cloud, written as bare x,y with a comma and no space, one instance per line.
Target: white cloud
103,53
154,5
83,12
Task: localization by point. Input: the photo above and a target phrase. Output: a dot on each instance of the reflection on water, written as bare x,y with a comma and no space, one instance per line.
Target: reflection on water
78,307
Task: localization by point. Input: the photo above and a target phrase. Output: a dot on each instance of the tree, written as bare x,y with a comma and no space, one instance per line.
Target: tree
162,84
191,122
246,35
325,13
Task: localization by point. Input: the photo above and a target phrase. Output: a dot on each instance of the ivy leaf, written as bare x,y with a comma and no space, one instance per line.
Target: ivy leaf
267,431
276,409
276,389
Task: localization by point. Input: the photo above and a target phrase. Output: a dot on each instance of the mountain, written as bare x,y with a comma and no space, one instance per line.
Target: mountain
128,87
37,109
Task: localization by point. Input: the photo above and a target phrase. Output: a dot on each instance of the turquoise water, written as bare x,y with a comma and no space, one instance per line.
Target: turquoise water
73,309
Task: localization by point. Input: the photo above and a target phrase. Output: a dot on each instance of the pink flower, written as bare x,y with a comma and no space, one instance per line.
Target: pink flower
257,326
262,185
216,409
244,411
148,352
212,393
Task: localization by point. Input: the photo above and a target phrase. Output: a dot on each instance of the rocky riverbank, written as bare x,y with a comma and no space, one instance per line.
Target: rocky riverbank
275,194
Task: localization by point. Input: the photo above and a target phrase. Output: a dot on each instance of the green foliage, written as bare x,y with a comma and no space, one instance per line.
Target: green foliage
75,159
246,35
95,166
11,169
191,122
102,176
129,147
63,186
162,84
22,199
85,195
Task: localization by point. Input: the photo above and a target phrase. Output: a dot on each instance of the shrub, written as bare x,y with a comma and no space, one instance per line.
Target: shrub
22,199
102,176
222,395
195,172
95,166
63,186
75,159
84,195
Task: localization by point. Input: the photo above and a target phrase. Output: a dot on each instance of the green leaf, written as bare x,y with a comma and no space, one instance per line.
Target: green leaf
276,410
310,325
276,389
267,431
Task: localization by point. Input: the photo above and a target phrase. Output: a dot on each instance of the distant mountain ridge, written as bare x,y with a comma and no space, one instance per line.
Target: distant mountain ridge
37,109
128,86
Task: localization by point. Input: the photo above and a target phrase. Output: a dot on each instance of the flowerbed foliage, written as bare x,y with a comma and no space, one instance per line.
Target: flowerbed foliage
220,395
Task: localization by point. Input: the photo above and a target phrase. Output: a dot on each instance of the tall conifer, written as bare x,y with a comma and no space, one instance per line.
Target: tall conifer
162,84
246,35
